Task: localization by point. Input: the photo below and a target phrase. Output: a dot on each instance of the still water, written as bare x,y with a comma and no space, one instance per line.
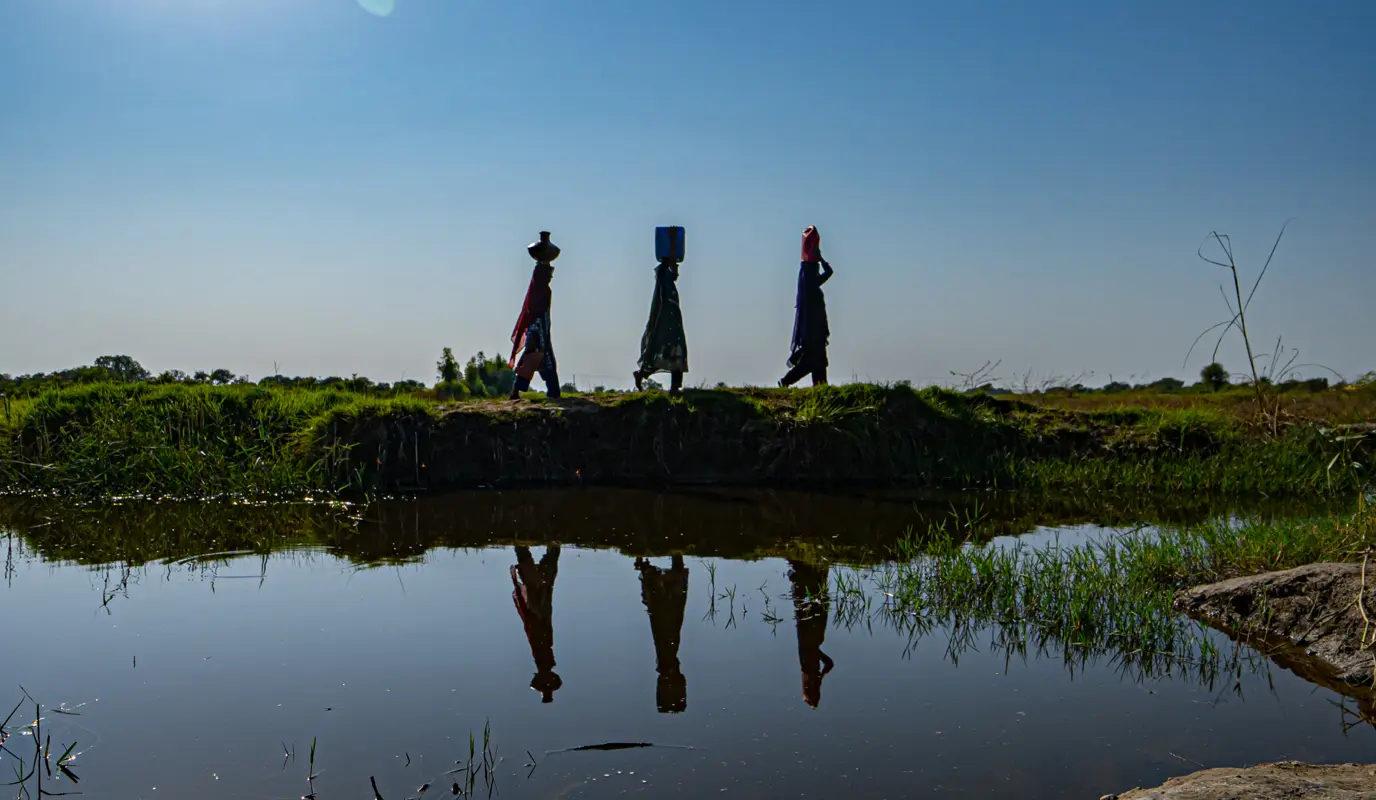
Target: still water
206,648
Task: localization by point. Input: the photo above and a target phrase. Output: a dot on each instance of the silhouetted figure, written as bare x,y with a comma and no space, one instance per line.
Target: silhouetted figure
665,594
811,604
531,337
811,333
534,598
664,345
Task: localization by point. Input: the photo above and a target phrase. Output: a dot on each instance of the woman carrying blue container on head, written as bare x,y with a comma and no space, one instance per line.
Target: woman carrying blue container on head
810,330
664,345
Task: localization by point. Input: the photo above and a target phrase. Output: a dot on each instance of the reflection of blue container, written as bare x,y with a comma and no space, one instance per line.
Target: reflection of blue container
669,243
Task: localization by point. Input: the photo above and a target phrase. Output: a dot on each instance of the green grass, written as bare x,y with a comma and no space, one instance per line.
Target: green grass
179,440
1109,597
1351,403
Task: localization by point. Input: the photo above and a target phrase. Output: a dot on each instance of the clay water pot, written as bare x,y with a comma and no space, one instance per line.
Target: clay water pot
543,251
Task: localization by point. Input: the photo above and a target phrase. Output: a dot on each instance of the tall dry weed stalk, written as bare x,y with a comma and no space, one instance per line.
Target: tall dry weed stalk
1237,318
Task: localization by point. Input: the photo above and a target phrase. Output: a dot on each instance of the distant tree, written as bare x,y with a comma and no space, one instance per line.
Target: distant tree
407,386
201,376
721,384
488,376
652,385
1114,387
123,368
452,390
221,376
448,366
1214,376
171,376
1166,385
360,385
569,388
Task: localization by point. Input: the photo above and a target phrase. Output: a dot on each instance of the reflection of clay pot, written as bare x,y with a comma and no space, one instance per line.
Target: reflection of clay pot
543,251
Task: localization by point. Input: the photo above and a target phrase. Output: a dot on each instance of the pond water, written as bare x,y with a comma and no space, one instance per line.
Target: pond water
203,645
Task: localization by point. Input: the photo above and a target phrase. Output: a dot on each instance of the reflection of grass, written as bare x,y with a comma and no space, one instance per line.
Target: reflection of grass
1107,597
481,764
135,533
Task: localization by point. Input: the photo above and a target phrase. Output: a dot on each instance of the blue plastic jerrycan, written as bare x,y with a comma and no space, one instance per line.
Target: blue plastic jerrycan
669,243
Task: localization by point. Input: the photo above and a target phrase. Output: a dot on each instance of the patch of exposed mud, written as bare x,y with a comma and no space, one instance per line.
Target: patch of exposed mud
1318,620
1284,779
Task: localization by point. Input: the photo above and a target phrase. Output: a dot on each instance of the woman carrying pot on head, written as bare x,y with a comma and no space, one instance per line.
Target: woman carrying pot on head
810,330
531,337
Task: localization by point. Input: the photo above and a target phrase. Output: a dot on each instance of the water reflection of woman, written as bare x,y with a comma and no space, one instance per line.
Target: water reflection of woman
811,604
665,595
534,597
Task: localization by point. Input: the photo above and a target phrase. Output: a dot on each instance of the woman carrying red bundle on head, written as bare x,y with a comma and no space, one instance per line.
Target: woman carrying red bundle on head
531,337
810,330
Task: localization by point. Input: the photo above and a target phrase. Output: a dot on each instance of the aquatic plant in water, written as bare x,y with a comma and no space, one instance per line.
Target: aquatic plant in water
1110,597
30,772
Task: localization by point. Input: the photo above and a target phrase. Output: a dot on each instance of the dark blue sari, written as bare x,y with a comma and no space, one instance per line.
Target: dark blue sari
811,333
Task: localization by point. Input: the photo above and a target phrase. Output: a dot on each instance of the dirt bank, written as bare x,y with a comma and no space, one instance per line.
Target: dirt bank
861,435
1284,779
1318,620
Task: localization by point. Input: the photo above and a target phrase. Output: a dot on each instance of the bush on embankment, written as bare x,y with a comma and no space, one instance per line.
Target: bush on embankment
200,440
168,440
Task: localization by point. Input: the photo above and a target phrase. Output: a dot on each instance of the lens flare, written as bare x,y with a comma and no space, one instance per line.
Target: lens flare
380,8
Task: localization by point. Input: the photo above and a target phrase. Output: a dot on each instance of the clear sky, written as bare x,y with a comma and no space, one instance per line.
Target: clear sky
301,183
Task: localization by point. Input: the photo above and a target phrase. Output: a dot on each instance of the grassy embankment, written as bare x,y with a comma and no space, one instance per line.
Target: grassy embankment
196,441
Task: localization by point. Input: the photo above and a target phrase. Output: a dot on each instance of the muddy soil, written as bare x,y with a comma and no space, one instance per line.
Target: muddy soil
873,437
1318,620
1284,779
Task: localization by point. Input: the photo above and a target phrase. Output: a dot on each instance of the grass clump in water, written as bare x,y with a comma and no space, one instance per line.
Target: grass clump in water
1108,596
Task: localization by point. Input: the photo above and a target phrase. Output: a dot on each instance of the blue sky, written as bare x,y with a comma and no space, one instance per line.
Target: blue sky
301,185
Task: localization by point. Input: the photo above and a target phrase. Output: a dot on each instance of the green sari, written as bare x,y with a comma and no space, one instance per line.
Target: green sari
664,346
